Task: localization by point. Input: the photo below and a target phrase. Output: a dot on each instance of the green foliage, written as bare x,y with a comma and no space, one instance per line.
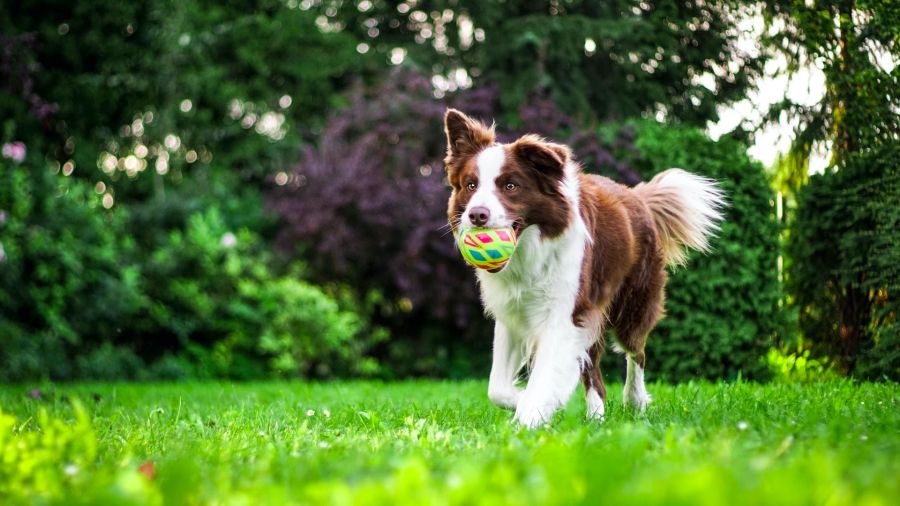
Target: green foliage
79,299
109,362
843,248
238,83
607,60
65,278
368,443
49,461
214,295
798,365
845,272
176,113
722,308
847,41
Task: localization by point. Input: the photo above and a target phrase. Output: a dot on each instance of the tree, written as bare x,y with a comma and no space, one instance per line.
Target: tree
152,92
607,60
843,240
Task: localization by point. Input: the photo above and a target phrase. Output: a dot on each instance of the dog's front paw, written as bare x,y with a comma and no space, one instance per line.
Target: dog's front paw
530,415
508,399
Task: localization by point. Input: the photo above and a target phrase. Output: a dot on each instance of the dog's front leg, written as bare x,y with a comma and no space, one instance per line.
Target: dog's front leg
508,358
554,375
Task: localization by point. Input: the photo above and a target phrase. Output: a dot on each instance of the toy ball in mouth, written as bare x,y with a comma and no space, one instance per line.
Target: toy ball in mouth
487,248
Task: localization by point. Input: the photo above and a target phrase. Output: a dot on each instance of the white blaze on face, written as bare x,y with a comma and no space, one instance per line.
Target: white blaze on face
489,162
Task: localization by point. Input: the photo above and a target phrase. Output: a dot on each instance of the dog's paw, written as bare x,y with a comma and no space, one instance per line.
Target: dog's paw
530,415
637,400
506,398
596,410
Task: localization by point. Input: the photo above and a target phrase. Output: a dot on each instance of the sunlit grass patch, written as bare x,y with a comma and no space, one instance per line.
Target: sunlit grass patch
443,443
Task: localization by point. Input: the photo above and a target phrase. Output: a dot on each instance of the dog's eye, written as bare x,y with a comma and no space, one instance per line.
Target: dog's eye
471,187
511,187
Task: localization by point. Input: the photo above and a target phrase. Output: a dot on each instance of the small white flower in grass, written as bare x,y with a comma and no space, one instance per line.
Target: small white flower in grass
326,413
310,412
323,444
742,425
70,469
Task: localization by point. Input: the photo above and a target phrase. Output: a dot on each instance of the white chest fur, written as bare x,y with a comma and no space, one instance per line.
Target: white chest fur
537,289
539,285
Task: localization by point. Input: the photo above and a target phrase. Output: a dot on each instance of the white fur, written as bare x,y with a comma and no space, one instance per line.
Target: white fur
532,300
489,163
687,209
595,407
635,393
509,357
593,327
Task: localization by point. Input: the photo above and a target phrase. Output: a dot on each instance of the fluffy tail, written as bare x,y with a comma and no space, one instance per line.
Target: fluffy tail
687,210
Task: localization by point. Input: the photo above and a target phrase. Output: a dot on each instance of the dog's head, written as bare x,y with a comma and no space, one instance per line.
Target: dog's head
504,185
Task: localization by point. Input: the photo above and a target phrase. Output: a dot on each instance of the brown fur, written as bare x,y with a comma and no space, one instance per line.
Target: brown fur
623,272
535,166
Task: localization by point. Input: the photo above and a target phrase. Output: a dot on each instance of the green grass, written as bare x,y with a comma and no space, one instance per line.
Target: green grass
443,443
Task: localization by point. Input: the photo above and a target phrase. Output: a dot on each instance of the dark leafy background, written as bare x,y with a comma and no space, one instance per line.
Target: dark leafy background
241,191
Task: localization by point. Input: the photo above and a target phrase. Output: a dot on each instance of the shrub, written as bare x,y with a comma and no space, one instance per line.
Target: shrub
66,280
797,365
845,264
78,299
109,362
215,299
722,308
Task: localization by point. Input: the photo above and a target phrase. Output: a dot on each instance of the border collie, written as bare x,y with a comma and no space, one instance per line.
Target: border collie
591,253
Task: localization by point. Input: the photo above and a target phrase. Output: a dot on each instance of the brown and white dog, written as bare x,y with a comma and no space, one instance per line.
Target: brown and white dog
591,253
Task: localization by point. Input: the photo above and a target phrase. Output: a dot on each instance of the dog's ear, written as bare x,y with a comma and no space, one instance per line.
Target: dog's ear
465,136
548,160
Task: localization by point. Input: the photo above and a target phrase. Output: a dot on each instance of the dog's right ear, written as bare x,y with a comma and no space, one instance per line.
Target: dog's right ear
465,136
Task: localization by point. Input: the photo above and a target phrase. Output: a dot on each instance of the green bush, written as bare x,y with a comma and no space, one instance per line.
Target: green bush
66,280
215,298
722,313
797,365
844,273
80,299
109,362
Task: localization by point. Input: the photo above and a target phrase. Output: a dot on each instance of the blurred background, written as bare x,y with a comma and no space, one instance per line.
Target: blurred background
200,189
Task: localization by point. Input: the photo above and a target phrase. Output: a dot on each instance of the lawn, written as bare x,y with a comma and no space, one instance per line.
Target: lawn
444,443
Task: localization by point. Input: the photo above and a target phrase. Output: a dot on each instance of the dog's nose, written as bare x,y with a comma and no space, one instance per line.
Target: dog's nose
479,216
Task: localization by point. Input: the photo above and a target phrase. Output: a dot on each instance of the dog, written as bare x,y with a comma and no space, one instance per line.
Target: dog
591,253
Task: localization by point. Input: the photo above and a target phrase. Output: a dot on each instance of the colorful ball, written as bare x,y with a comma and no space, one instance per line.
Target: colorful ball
487,248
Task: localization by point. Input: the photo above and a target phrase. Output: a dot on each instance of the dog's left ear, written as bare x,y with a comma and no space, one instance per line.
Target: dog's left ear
465,136
547,159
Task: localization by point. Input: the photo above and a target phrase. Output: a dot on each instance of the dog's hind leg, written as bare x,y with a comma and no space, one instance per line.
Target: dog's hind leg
594,389
636,317
635,393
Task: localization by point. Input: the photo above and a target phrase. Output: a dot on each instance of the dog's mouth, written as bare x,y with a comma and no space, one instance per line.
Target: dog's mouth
517,227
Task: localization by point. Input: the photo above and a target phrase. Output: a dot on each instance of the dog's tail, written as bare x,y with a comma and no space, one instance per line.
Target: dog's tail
687,210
